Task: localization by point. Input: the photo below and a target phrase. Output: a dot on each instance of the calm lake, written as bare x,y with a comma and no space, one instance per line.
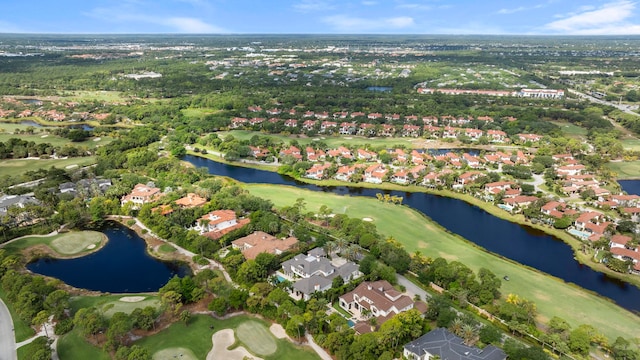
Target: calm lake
122,266
522,244
630,186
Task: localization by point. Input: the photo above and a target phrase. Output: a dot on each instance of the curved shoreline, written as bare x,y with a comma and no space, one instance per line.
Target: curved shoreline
575,244
52,252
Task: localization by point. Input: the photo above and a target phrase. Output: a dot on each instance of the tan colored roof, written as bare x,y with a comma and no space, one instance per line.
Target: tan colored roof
191,200
261,242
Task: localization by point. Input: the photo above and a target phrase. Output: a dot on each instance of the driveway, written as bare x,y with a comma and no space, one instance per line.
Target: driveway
412,289
7,337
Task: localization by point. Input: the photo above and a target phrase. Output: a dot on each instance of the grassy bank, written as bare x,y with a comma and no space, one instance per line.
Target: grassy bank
626,170
196,336
71,244
21,166
417,232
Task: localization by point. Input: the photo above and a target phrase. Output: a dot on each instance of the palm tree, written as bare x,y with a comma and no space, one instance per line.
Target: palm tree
456,326
341,244
330,247
352,252
469,334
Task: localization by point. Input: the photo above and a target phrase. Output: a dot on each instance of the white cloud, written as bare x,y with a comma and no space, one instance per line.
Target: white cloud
414,6
179,24
307,6
520,8
358,24
609,19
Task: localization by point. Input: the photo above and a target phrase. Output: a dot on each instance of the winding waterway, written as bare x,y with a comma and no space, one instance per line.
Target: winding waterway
121,266
520,243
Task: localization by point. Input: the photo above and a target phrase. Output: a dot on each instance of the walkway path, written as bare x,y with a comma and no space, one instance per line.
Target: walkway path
320,351
7,336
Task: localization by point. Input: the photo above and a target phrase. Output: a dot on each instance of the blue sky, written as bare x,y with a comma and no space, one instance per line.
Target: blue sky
546,17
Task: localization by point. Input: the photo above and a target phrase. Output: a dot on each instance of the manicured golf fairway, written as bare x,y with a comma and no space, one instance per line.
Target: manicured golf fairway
552,296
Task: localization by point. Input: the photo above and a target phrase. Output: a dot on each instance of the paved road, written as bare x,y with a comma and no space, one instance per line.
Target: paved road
624,108
412,289
7,337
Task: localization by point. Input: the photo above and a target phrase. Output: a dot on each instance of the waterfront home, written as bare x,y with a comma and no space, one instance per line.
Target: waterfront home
375,173
345,172
217,220
497,136
317,171
410,130
557,209
377,299
261,242
142,194
314,155
441,343
314,273
291,151
529,137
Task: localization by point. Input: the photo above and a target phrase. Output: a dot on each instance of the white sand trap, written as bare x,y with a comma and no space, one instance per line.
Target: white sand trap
92,246
348,138
278,331
221,341
174,353
71,166
44,136
367,219
97,139
132,299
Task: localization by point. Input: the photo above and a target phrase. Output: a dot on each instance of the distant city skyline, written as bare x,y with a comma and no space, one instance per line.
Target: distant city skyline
496,17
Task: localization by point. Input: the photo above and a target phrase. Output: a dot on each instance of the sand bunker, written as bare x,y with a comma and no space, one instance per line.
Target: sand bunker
132,299
44,136
71,166
367,219
92,246
278,331
221,341
97,139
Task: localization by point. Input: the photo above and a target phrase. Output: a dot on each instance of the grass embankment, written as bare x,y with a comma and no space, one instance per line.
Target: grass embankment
55,140
331,140
196,337
626,170
74,346
552,296
71,244
631,144
21,166
111,304
21,328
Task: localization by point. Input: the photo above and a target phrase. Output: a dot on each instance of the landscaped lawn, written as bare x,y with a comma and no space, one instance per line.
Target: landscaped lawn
53,139
626,169
70,243
571,129
21,166
332,141
417,232
196,336
111,304
21,329
631,144
74,346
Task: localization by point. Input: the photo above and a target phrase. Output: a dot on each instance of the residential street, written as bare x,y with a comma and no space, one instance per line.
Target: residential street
7,337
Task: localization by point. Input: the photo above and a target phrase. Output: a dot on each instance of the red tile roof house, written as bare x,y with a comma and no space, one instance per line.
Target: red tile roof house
340,115
357,114
327,126
410,130
317,171
308,114
375,173
401,177
570,170
340,152
238,122
498,136
374,116
256,121
468,177
562,157
392,117
261,242
291,123
217,220
348,128
432,179
471,160
626,200
366,130
473,134
142,194
315,155
309,124
273,111
345,172
322,115
291,151
431,131
377,299
557,209
191,200
387,130
450,132
529,137
621,250
498,186
258,152
363,154
430,120
520,201
417,158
